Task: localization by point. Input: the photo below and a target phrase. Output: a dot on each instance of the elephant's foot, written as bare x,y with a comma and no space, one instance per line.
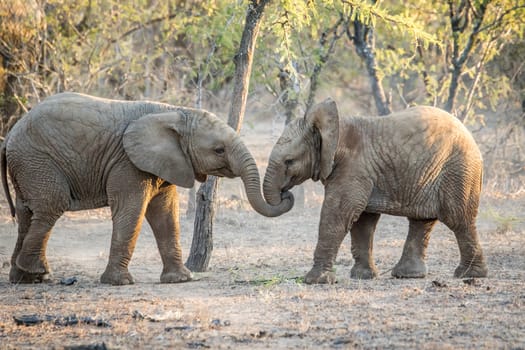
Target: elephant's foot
33,264
363,272
319,275
181,274
19,276
410,268
116,277
472,270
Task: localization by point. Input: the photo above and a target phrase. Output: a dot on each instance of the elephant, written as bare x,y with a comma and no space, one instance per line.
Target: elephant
421,163
74,151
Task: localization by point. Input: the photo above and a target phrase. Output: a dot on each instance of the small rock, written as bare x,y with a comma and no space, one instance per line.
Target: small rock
136,314
439,284
28,320
217,323
260,334
68,281
472,282
342,341
197,344
31,320
101,346
178,328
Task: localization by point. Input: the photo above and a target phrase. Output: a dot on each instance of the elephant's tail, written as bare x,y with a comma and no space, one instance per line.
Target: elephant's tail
4,178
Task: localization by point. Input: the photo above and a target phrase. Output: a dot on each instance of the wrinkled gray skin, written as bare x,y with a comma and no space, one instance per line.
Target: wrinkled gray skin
421,163
74,152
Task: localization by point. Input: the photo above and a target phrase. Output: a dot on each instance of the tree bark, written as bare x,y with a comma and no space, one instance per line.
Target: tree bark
326,47
289,93
202,244
243,62
364,42
190,210
459,21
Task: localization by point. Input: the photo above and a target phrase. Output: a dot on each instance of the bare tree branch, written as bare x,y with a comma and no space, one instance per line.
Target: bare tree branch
364,43
459,58
327,42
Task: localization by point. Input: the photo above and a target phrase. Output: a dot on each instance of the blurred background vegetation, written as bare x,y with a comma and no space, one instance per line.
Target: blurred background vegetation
466,56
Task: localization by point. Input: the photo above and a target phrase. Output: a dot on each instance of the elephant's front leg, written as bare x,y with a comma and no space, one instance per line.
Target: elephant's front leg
127,211
163,217
338,212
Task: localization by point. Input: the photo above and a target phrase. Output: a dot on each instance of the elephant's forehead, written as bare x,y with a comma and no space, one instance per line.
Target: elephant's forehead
209,122
283,140
290,134
215,126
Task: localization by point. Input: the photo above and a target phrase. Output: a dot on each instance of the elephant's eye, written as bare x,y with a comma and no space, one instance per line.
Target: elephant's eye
219,151
288,162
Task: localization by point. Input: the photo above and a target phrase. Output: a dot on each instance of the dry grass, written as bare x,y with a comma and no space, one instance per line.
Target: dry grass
253,296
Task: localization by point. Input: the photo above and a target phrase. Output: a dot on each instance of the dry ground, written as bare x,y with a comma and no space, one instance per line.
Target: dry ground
252,295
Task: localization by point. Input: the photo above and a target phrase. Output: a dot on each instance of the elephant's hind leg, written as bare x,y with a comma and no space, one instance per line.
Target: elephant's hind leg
362,233
458,211
163,216
472,262
31,258
16,275
412,263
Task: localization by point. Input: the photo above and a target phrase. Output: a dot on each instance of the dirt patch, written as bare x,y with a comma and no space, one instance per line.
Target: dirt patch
253,295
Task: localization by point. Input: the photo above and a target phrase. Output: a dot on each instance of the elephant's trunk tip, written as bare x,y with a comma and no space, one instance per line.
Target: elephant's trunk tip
272,194
251,180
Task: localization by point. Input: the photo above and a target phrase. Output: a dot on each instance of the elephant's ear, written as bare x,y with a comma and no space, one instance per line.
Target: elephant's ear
325,118
154,144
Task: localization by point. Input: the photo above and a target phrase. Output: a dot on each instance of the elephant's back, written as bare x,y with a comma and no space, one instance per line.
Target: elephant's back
77,120
71,109
430,123
423,131
65,114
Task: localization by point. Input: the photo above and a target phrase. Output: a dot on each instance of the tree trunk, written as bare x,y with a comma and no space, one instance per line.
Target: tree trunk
243,62
364,42
202,244
203,227
290,90
190,210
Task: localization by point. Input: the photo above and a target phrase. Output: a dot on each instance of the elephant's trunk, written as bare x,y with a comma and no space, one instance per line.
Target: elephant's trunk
271,189
252,184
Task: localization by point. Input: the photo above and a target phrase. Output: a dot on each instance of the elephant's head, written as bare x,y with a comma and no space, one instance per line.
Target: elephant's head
305,150
187,144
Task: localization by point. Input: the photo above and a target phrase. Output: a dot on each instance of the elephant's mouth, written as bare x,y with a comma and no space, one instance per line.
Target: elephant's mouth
222,172
286,188
289,185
